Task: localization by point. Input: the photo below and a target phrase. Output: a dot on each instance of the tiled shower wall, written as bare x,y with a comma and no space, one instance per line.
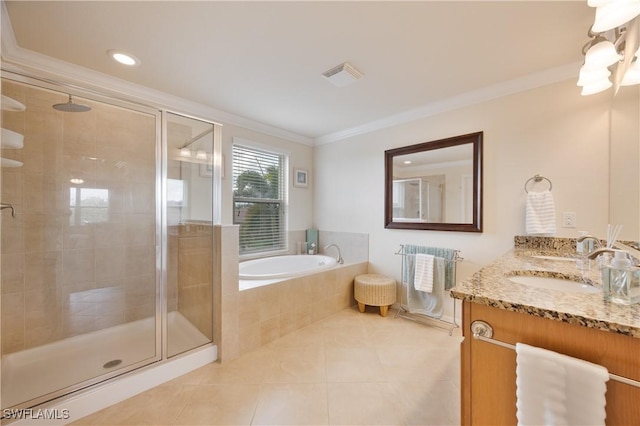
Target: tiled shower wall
190,274
65,272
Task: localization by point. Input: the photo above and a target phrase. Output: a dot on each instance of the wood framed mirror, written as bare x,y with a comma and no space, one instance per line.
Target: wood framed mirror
435,185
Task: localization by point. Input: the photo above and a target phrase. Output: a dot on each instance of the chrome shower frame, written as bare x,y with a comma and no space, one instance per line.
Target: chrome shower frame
160,233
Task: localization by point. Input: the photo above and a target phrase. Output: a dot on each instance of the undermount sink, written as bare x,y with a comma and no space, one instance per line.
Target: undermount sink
560,284
561,258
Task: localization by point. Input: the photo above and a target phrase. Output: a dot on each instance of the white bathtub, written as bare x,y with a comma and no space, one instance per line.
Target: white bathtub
279,267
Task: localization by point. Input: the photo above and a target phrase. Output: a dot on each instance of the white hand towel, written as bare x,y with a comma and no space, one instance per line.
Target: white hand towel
555,389
540,213
423,277
430,304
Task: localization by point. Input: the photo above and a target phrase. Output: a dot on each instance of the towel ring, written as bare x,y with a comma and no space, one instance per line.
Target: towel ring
537,178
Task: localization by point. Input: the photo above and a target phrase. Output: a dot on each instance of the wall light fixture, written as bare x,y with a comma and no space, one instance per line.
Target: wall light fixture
614,48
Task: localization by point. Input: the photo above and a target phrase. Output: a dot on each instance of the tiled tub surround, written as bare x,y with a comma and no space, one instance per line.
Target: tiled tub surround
248,319
272,311
353,246
491,286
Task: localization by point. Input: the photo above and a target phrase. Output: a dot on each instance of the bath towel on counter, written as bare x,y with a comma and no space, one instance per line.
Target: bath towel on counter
540,213
430,304
555,389
423,275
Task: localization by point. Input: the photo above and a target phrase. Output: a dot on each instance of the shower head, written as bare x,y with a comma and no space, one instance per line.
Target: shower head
71,107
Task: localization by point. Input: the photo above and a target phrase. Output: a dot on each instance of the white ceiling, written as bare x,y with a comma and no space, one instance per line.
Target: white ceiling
263,60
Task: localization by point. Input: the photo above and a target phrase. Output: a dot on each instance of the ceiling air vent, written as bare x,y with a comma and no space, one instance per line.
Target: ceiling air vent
342,75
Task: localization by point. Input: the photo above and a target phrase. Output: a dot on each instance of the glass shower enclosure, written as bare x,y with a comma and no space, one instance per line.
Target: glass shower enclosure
106,243
189,232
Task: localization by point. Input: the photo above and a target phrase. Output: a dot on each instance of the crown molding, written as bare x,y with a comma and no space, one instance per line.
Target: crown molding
531,81
17,59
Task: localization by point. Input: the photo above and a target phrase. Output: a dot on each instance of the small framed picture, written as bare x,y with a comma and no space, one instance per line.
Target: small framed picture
300,178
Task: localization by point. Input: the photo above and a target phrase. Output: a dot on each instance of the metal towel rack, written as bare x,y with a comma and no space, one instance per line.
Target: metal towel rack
456,256
537,178
483,331
424,319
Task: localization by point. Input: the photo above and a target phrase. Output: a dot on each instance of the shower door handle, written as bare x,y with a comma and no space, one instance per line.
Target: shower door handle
8,206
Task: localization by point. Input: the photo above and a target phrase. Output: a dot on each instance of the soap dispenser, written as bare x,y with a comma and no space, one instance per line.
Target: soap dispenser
620,280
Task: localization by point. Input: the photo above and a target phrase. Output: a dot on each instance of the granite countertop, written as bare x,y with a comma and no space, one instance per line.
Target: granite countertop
491,286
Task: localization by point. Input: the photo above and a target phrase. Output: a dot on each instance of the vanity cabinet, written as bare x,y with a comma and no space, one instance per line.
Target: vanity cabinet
488,371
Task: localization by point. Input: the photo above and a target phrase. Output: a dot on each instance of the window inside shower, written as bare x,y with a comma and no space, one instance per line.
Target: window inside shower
88,205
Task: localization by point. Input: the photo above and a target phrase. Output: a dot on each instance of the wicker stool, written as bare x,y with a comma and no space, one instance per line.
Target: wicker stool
375,290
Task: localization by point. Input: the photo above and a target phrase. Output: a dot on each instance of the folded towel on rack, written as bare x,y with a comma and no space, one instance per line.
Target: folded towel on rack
449,255
556,389
430,304
540,213
423,275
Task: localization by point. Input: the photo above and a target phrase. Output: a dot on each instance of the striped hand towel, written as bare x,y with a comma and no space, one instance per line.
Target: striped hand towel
423,278
540,213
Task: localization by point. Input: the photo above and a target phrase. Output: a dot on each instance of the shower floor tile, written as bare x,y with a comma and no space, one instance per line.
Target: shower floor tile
348,369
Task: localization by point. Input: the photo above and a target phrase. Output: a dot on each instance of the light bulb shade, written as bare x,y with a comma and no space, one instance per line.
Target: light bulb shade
594,88
185,152
590,76
615,13
601,55
598,3
202,155
632,76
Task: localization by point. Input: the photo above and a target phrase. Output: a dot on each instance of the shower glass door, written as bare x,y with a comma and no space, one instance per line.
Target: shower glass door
189,233
79,258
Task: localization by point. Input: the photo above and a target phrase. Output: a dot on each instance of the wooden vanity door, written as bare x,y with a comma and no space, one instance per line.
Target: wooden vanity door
489,394
488,371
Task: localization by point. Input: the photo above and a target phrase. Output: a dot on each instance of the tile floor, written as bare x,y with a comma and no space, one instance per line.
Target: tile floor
348,369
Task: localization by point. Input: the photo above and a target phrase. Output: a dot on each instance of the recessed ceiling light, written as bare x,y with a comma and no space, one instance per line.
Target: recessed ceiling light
407,162
123,58
77,181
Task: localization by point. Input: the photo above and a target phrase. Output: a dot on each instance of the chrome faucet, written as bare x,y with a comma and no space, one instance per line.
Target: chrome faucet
599,251
339,259
590,237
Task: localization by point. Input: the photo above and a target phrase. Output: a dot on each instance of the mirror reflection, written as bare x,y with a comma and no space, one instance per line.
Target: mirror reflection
624,202
435,185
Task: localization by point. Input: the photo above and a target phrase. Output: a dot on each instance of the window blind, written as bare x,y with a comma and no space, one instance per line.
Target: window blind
259,199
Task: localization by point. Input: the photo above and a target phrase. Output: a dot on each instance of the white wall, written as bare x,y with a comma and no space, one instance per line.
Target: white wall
551,130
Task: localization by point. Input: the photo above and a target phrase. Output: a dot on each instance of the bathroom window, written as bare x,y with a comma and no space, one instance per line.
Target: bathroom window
88,205
176,202
259,205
